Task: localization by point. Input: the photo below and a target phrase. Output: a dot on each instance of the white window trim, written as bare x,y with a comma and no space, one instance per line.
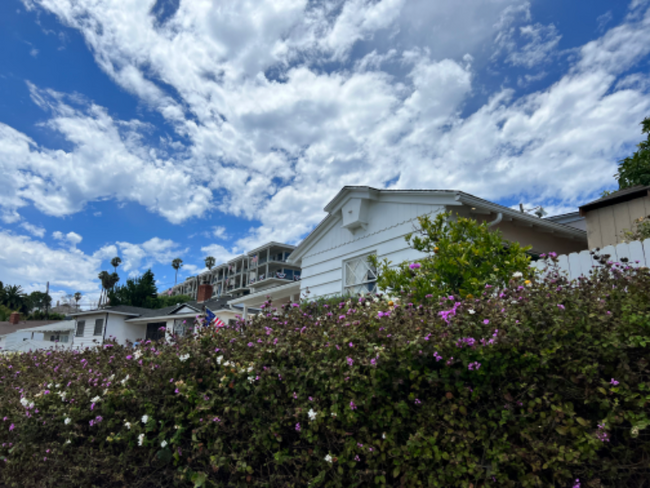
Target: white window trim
349,288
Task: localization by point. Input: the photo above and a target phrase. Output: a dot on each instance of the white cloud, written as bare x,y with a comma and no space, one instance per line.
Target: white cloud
219,253
274,114
136,257
220,232
34,230
71,238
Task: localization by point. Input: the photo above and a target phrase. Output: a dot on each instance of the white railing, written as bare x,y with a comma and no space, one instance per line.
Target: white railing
580,263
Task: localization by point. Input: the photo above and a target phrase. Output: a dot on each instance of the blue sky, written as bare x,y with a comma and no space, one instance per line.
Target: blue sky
162,129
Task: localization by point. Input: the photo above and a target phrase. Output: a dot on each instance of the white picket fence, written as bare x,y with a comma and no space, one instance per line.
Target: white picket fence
580,263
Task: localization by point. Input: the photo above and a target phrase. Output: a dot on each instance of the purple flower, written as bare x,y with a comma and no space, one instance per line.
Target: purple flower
250,344
357,458
613,382
350,361
415,265
417,401
353,406
298,426
486,321
474,366
129,357
437,356
577,483
351,345
295,305
11,427
560,306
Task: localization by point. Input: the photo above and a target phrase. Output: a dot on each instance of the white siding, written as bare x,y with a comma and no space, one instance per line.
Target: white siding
388,224
122,332
88,339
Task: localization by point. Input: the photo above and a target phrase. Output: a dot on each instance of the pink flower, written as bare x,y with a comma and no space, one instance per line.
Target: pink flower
298,427
129,357
415,265
12,427
350,361
417,401
613,382
353,406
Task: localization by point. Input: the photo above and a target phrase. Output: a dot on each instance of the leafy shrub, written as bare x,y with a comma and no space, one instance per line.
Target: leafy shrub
527,386
5,313
635,170
463,256
40,315
640,230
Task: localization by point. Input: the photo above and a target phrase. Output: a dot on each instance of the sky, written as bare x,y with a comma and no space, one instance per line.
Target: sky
156,129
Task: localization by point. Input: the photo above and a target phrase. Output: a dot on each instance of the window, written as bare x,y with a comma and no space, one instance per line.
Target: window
359,276
155,331
81,325
99,327
183,327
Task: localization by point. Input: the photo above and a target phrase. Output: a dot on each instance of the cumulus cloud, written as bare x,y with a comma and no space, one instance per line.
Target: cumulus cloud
34,230
273,113
71,238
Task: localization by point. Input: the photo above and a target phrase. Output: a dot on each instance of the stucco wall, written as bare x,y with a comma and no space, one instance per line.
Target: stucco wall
606,225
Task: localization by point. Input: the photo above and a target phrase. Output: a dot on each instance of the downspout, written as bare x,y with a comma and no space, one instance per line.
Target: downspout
105,329
497,220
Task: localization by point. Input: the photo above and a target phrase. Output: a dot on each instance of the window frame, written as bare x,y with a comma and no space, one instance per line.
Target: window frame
355,288
101,331
81,328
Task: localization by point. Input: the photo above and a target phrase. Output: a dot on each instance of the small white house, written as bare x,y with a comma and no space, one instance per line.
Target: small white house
362,221
131,324
56,335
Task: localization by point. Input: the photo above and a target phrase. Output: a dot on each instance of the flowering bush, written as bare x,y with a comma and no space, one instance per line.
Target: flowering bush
540,385
462,256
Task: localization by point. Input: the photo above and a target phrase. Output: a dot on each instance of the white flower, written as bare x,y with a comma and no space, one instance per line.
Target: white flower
250,369
24,402
227,363
184,357
68,441
62,395
329,459
251,379
471,311
67,421
312,414
57,386
31,405
96,399
163,444
125,379
140,439
137,354
145,419
333,414
49,385
219,359
383,436
517,274
111,378
105,391
325,334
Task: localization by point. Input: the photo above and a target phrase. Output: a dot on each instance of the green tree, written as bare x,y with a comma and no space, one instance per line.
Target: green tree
177,264
137,292
635,170
163,301
16,299
115,262
105,279
40,300
461,257
210,262
77,297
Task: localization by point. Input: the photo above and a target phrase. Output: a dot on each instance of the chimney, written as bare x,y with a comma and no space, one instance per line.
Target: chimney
14,318
204,293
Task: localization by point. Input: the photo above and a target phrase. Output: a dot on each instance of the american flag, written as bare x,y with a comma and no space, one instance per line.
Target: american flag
254,259
218,322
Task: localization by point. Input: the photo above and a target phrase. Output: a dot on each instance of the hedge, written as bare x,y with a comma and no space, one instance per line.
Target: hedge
545,383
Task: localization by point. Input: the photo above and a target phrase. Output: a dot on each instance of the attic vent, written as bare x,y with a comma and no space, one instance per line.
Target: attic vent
355,214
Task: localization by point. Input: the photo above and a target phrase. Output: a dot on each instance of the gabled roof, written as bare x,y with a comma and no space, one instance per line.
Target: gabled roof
117,309
616,197
9,328
439,197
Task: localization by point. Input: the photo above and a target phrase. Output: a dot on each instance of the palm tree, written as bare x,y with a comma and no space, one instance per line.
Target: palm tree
77,297
104,277
115,262
177,264
210,262
113,278
15,298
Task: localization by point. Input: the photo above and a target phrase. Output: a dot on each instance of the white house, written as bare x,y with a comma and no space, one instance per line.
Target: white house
362,221
56,335
131,324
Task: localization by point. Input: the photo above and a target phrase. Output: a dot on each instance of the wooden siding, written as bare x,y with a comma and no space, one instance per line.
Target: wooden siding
606,225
